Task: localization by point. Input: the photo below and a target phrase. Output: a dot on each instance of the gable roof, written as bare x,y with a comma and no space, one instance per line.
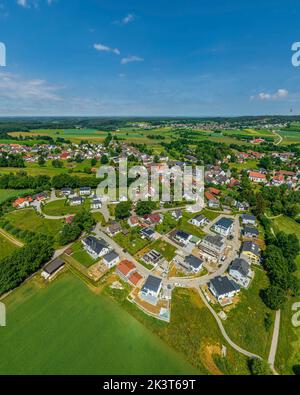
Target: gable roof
224,223
96,245
224,285
53,266
249,246
111,256
241,266
193,261
125,267
152,284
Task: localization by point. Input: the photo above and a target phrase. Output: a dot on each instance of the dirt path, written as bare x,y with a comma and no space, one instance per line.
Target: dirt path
11,238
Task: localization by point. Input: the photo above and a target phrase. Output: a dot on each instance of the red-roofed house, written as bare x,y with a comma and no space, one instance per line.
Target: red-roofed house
154,218
257,177
125,269
211,200
214,191
133,221
135,278
21,203
64,155
69,219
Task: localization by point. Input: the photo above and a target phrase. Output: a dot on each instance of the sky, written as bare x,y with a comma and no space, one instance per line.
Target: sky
149,58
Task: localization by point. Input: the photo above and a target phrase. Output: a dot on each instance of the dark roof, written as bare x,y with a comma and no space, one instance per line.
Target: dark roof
199,217
248,217
241,266
216,240
223,285
193,261
53,266
85,188
251,247
97,245
152,284
147,231
224,223
182,235
250,230
111,256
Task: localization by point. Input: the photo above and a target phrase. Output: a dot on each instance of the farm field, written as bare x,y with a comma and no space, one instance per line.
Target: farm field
245,324
40,320
6,247
11,193
290,137
28,219
288,352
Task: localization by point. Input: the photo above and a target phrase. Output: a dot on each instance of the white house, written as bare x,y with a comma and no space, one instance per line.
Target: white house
223,288
96,203
199,220
75,201
111,259
85,191
52,268
182,237
224,226
240,271
151,289
248,219
96,247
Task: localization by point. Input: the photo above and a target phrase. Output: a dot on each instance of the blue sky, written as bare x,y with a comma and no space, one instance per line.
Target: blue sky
140,57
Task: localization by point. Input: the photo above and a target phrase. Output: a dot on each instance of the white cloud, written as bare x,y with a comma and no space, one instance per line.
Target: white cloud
265,96
128,18
34,3
15,87
105,48
130,59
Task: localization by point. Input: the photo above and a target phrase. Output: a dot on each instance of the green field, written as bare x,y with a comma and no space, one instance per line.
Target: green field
290,137
66,329
81,255
6,247
131,242
61,207
13,193
288,352
245,324
167,250
28,219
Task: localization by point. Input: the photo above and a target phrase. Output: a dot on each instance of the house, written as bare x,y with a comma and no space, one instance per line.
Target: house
135,278
248,219
154,219
257,177
177,214
212,247
114,228
152,257
214,191
211,200
95,247
69,219
52,268
223,288
133,221
85,191
182,237
96,203
125,269
111,259
199,220
250,232
75,201
21,203
244,206
151,289
195,264
223,226
251,252
240,271
66,191
147,233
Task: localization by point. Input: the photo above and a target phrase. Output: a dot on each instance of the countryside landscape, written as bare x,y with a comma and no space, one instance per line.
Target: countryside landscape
149,192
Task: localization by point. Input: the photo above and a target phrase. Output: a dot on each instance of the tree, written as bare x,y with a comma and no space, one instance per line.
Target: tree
104,160
274,297
93,162
123,210
57,163
259,367
143,208
41,161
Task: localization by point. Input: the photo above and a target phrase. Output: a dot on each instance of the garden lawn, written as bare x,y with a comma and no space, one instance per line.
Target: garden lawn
131,242
62,207
245,324
28,219
167,250
13,193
